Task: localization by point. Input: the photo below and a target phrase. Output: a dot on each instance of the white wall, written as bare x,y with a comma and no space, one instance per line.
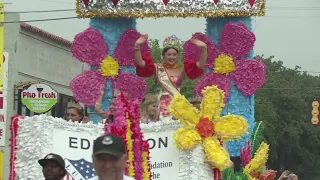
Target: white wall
47,61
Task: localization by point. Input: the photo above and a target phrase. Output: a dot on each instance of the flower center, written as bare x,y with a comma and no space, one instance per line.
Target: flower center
109,67
205,127
224,64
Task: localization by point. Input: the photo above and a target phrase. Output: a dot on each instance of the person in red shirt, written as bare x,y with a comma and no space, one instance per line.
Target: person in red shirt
168,73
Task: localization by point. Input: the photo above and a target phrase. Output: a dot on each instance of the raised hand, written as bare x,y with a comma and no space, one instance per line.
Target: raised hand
142,39
101,92
85,120
198,43
284,175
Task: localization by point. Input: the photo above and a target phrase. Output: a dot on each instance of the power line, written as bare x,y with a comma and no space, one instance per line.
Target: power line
39,20
284,7
52,1
287,88
66,10
41,11
290,17
65,18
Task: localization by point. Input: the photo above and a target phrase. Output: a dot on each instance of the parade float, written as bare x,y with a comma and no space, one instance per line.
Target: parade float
198,143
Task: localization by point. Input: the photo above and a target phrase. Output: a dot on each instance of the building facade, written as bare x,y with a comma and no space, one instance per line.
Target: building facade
35,56
44,58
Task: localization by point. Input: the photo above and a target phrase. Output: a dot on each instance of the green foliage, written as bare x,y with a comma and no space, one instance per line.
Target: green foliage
240,176
228,174
257,137
156,52
284,105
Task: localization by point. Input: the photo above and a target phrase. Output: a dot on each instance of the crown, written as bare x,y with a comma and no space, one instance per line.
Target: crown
171,41
73,104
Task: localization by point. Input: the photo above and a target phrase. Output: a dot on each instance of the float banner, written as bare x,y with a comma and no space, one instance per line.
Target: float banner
164,156
74,142
76,147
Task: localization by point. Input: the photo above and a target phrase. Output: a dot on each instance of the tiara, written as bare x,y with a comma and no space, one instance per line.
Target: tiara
74,105
171,41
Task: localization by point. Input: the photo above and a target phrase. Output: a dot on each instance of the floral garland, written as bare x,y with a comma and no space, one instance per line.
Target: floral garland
130,161
14,130
145,161
258,162
135,127
253,166
127,125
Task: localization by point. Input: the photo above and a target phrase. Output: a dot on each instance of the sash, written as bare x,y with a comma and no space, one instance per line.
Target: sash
165,81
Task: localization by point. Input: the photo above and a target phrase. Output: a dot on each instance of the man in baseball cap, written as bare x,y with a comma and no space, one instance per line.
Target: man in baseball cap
109,158
53,167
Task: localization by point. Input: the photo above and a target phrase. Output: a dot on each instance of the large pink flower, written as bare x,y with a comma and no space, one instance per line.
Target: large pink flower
235,43
89,47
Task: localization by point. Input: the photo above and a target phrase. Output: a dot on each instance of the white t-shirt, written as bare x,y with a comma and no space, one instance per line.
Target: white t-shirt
124,178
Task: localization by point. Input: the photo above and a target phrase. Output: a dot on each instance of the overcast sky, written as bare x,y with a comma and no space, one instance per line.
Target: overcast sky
289,31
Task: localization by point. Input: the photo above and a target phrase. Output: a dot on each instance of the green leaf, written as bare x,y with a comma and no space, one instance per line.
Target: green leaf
257,137
240,176
228,174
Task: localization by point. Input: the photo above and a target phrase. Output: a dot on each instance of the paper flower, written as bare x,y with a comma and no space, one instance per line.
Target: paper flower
269,175
245,154
127,125
89,47
258,162
235,43
206,127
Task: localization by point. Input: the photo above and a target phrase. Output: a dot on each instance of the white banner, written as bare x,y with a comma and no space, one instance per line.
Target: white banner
76,148
164,159
41,135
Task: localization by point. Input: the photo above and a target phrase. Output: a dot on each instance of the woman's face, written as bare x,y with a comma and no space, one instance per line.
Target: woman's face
171,56
152,109
73,115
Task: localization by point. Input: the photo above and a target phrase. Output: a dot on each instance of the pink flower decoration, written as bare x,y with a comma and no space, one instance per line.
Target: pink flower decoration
235,41
245,154
89,47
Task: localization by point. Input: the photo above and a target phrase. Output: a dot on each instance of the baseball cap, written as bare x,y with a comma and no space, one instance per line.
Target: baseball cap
52,157
109,144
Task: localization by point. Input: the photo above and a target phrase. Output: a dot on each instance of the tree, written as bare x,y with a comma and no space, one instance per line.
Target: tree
284,104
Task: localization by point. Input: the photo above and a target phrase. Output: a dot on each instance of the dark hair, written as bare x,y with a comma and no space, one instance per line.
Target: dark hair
110,118
164,50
